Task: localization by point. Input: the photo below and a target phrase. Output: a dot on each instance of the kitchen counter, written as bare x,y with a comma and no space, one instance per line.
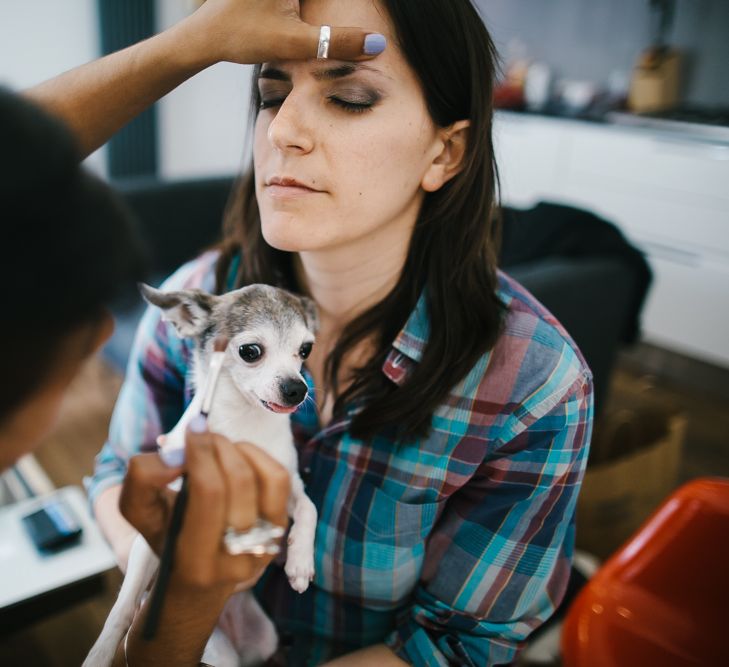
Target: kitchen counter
664,127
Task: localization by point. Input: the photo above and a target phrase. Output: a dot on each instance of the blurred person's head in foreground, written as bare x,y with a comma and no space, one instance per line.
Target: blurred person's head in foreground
67,254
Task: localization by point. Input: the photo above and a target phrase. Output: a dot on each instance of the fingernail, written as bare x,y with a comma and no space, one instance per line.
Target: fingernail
198,424
173,457
374,43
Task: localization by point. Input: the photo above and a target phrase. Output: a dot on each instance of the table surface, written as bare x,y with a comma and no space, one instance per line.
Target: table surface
25,573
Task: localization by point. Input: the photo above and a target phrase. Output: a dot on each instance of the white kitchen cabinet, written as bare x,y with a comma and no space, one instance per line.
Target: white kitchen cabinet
688,308
668,194
531,158
673,165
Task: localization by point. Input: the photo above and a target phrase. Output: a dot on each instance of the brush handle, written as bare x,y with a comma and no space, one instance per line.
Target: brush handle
165,566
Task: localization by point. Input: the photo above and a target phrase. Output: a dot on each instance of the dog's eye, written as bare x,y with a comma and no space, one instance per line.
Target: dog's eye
250,353
305,350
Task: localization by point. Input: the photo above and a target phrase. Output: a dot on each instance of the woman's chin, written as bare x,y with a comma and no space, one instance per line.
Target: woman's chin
283,242
290,237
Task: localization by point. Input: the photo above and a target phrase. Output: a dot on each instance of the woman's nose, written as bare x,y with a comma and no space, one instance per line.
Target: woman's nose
288,131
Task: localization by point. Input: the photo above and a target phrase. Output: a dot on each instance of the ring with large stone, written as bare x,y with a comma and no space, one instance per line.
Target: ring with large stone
258,540
325,36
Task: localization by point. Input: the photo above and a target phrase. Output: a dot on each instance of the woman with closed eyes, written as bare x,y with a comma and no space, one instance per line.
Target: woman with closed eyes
452,414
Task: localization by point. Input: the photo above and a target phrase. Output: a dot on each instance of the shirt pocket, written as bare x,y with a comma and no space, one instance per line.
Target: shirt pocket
380,548
382,519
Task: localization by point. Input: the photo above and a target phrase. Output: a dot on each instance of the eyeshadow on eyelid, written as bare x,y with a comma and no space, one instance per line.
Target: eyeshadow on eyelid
358,93
352,93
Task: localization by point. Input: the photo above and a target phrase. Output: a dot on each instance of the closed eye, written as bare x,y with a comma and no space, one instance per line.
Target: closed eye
270,104
347,105
355,107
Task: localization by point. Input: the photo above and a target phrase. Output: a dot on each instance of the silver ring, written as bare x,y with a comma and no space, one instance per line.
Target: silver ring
325,36
258,540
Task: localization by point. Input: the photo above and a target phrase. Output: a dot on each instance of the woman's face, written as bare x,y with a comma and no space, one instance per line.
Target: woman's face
357,135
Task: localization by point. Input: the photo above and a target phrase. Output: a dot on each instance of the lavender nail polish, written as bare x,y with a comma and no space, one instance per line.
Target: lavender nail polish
198,424
173,457
374,43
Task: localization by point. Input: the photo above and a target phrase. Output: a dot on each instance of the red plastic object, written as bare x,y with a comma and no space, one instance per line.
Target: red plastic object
662,600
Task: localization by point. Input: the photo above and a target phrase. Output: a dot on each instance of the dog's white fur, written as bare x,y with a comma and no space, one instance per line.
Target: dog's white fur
280,323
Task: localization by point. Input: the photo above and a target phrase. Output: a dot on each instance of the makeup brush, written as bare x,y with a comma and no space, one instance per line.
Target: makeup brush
178,511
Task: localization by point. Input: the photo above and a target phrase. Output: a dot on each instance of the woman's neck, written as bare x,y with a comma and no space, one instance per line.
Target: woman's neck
346,281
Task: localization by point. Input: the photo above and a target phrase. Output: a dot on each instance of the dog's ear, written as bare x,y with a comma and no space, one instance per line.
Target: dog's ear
311,314
188,310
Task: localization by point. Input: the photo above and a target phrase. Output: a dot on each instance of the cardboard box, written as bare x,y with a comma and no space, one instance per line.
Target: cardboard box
637,457
655,85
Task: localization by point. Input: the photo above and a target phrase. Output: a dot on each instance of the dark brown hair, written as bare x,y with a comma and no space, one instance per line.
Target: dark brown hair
453,250
70,248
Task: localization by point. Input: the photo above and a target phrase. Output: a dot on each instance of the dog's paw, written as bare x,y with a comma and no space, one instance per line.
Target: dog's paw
299,569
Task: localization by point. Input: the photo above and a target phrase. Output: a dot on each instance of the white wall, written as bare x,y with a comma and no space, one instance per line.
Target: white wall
202,124
589,39
42,38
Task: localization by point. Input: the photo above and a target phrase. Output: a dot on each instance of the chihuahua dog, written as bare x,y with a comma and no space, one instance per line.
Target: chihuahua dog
270,333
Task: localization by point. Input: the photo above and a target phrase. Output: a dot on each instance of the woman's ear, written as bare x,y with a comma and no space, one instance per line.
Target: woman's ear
453,141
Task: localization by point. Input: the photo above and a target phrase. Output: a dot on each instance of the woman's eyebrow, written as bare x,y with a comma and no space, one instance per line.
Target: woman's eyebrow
330,74
274,74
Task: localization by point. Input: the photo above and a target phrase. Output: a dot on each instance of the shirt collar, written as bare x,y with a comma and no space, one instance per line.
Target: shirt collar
409,344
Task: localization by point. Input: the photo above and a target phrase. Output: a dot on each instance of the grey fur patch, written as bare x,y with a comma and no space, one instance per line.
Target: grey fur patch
257,306
311,315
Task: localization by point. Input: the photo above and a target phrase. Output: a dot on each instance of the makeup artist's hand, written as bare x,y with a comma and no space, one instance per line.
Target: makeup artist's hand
230,484
96,99
254,31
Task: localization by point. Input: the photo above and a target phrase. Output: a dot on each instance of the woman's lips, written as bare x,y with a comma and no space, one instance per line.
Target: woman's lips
286,191
287,186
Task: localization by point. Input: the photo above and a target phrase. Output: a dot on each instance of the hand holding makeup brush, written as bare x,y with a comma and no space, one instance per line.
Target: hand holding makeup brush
229,484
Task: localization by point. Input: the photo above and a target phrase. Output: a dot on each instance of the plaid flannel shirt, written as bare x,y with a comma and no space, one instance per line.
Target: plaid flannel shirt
451,548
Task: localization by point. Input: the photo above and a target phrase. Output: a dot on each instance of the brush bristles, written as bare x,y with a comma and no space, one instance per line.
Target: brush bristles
220,343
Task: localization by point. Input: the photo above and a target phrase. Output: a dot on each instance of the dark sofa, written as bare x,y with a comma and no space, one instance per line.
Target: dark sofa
177,220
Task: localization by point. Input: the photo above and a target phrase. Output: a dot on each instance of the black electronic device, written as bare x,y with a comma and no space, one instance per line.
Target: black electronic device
53,526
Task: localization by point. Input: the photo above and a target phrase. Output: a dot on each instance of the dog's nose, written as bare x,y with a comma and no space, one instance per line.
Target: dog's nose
293,391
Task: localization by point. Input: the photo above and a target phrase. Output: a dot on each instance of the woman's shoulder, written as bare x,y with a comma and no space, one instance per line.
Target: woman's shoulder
541,353
527,316
534,365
